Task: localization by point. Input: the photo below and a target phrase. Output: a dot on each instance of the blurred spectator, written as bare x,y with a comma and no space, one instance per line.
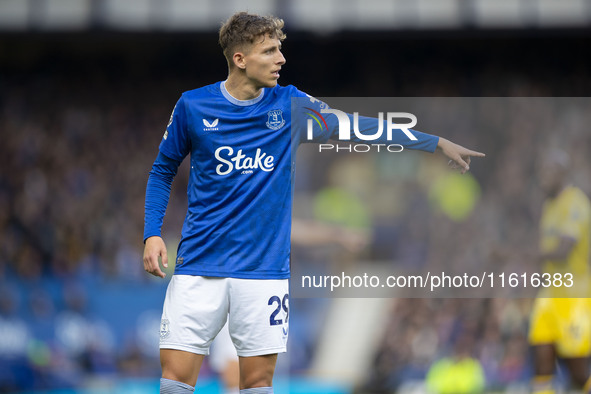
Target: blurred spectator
14,339
459,373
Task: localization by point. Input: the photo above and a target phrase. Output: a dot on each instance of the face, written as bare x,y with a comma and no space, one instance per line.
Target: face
262,62
551,176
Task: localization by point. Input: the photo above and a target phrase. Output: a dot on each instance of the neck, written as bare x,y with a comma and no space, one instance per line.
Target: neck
556,192
241,88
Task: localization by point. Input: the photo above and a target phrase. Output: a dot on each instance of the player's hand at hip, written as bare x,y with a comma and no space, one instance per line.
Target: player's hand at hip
155,249
459,156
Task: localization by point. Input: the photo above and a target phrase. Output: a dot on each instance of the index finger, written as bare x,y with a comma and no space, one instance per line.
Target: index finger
474,153
155,270
152,266
158,272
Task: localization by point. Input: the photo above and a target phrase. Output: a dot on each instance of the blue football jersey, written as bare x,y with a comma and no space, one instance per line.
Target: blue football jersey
242,153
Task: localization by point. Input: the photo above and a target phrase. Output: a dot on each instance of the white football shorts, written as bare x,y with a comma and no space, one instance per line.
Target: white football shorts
222,351
197,307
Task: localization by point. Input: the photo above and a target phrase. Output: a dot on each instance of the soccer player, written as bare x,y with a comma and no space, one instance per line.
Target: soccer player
560,325
233,258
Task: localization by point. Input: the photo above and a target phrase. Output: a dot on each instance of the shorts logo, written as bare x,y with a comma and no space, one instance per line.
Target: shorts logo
275,120
164,329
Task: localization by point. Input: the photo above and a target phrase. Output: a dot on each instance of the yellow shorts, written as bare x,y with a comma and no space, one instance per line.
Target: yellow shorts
564,322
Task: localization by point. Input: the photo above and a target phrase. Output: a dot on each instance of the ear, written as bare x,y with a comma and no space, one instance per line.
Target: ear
239,60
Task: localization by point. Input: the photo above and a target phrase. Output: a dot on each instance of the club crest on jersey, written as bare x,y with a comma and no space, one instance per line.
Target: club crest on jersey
275,120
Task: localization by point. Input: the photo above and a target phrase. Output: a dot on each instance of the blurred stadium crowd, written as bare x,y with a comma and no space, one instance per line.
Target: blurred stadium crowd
80,129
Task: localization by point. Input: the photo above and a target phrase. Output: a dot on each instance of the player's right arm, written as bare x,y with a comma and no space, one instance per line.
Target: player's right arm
174,147
157,195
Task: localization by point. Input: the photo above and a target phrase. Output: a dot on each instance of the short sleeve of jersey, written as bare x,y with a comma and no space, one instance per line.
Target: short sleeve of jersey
575,212
176,143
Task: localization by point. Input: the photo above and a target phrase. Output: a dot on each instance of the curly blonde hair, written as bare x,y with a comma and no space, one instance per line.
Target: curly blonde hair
243,28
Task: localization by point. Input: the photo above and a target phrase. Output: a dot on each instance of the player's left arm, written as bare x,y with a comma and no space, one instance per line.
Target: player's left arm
308,106
459,156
